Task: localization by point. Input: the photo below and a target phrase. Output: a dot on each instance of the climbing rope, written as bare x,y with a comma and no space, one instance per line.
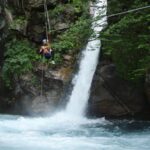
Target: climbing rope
47,22
47,26
42,77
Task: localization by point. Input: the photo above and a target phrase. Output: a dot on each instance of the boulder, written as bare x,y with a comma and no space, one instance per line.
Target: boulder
27,91
62,74
35,98
112,96
40,104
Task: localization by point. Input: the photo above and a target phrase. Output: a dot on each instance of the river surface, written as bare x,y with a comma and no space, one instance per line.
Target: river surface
59,133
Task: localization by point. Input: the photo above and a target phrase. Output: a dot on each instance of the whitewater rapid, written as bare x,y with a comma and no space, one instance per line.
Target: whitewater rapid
18,133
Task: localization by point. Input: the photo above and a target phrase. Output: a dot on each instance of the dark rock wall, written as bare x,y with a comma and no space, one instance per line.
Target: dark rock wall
147,86
112,96
3,31
26,18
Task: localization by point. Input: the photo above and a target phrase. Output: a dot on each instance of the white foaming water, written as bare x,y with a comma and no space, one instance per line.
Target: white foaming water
80,93
55,133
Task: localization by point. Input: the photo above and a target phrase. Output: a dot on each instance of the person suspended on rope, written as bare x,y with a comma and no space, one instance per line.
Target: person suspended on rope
46,50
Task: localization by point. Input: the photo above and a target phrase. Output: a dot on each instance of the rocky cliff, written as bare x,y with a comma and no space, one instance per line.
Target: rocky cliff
114,97
24,75
22,70
121,84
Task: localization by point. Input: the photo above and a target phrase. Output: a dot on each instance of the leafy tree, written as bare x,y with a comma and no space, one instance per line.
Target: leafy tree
127,43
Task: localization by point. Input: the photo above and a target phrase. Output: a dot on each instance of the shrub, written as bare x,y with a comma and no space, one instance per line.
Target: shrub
19,56
127,43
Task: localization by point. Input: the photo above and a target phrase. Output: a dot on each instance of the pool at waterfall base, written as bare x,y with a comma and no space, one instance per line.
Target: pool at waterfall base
60,132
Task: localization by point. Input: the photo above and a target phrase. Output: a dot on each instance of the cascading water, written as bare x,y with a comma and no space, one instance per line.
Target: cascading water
80,93
70,130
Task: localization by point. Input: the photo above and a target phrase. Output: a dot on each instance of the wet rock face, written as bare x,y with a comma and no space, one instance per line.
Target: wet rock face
2,20
26,18
113,97
3,31
29,17
36,26
28,4
2,23
33,97
40,3
33,102
3,34
147,86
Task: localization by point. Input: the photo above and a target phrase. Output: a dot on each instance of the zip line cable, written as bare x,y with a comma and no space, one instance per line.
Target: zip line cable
128,11
42,79
120,13
124,12
117,14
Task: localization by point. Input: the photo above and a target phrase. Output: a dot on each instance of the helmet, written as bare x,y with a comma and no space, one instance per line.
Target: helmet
45,41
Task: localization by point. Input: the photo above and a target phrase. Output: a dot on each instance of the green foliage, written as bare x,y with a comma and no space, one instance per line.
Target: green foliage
18,22
127,43
75,14
19,56
79,5
72,40
59,9
73,7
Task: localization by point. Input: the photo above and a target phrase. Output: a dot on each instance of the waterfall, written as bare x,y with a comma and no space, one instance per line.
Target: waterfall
81,90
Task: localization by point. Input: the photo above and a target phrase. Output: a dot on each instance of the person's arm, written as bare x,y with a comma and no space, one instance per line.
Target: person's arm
41,50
